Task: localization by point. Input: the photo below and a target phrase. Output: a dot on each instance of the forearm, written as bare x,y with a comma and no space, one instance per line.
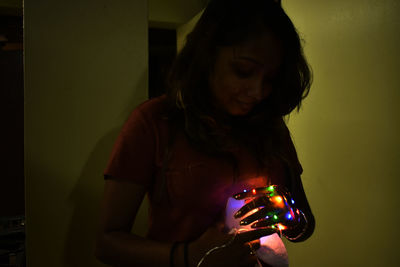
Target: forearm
116,245
126,249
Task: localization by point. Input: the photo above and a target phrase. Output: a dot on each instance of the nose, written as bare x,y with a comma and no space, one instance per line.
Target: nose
255,89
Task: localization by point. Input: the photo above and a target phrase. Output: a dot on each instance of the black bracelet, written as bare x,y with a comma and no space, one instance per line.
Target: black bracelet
185,254
171,253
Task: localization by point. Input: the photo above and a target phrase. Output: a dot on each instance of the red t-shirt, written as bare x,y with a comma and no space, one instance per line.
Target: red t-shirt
198,186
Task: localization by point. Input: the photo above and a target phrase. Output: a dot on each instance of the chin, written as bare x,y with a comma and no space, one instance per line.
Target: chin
240,112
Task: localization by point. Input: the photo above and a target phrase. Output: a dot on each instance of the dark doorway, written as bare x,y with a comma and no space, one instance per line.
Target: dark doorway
12,189
12,117
162,51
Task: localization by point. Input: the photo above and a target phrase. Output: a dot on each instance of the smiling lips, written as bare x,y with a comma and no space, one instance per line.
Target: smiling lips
246,105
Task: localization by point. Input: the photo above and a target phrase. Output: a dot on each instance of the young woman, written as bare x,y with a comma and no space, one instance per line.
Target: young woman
219,130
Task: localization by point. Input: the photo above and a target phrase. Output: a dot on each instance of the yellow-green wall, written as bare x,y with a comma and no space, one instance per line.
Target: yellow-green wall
173,13
85,70
183,30
347,134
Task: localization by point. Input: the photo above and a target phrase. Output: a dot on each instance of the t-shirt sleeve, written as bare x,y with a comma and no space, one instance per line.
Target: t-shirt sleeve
133,155
290,150
295,186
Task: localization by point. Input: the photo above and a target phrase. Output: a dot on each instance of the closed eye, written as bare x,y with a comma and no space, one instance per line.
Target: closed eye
242,70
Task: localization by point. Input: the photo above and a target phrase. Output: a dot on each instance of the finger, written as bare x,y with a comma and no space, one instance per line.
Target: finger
262,201
262,213
254,245
252,235
254,192
264,223
286,217
274,202
249,248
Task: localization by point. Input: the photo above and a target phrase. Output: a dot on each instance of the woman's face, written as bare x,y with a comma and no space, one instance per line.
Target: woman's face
243,75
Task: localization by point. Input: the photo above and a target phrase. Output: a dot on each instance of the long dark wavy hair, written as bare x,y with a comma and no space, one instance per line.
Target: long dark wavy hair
228,23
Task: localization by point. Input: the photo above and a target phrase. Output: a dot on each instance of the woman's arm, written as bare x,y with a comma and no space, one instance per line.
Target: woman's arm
116,245
294,184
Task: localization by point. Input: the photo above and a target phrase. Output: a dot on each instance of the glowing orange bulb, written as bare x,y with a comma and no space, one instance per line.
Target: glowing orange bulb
254,191
278,201
281,227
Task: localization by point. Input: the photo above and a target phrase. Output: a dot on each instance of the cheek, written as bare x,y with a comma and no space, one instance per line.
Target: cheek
267,90
233,88
226,88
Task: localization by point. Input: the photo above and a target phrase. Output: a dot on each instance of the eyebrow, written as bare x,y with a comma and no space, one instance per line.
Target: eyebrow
250,59
255,61
245,57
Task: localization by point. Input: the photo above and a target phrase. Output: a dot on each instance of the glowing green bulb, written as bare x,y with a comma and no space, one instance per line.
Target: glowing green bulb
270,188
275,217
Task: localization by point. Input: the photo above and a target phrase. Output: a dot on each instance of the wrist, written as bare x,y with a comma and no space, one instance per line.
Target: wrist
173,254
195,252
298,230
180,255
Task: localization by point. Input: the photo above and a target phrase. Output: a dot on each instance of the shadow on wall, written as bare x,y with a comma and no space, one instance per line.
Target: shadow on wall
86,199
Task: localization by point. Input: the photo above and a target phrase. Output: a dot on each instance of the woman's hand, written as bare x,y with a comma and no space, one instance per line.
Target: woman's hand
269,206
234,249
